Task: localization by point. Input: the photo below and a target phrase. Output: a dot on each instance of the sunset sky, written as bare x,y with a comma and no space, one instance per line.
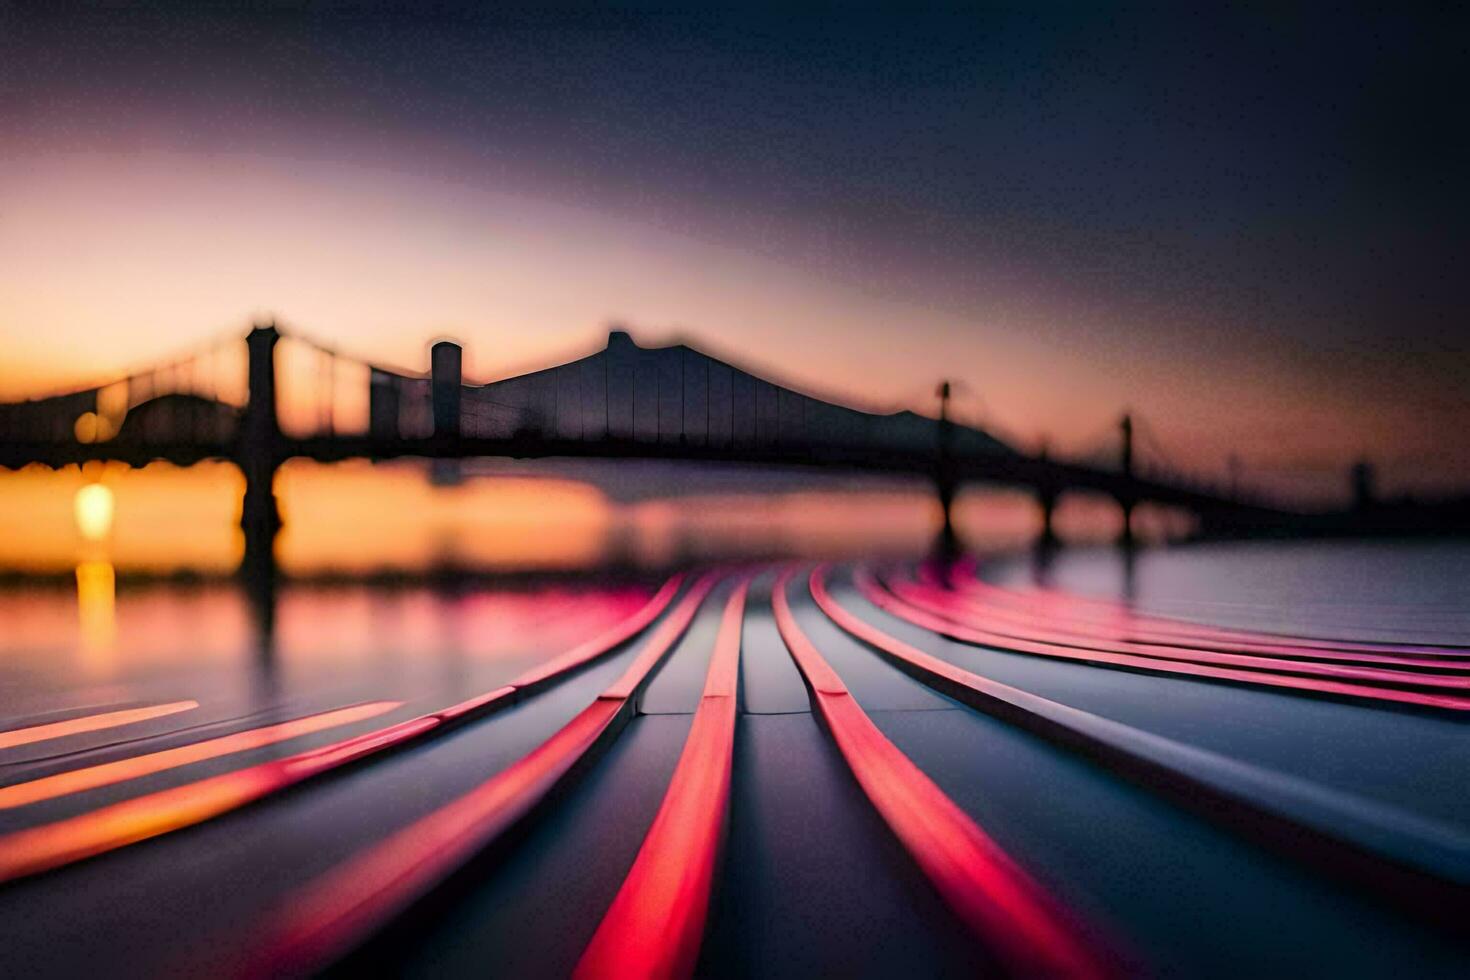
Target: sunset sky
1248,227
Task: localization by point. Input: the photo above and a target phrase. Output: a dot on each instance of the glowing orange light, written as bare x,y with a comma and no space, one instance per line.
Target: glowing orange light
90,723
77,780
93,508
96,600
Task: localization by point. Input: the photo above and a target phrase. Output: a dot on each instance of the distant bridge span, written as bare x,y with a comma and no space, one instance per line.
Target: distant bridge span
623,402
1017,470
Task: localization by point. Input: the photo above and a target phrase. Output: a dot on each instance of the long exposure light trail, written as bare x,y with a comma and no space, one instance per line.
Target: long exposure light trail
135,767
1404,858
941,603
655,925
990,893
1073,608
1054,616
343,908
893,605
90,723
47,846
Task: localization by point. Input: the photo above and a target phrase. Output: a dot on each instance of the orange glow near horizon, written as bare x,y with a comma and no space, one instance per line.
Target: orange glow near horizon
358,517
379,261
165,518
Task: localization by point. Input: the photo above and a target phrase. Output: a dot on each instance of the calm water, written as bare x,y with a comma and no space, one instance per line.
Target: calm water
84,643
61,649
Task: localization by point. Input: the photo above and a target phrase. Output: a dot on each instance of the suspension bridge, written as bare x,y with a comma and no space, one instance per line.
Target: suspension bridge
622,402
625,401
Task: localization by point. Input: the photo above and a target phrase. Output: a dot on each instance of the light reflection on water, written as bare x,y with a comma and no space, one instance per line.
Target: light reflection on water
98,635
101,634
96,610
357,517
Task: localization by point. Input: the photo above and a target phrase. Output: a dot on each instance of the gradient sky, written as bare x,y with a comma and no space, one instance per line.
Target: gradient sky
1249,226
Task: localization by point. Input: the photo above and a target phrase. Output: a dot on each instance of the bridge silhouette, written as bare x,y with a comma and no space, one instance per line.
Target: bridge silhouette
622,402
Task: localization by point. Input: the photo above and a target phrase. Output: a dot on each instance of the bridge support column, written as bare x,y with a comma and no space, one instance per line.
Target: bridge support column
258,456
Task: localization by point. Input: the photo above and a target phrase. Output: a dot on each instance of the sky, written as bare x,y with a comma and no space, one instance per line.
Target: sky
1248,226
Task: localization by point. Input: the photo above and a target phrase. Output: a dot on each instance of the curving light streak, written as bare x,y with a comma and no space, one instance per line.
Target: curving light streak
91,723
135,767
992,895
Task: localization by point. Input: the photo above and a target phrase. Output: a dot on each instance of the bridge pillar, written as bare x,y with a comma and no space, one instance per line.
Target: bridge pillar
258,456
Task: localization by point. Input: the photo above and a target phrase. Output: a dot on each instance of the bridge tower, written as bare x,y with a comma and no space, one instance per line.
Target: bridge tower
258,454
1126,498
446,368
446,361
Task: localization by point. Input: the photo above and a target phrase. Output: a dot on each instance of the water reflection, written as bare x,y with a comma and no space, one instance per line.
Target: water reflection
97,611
357,517
106,638
1128,555
1043,558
